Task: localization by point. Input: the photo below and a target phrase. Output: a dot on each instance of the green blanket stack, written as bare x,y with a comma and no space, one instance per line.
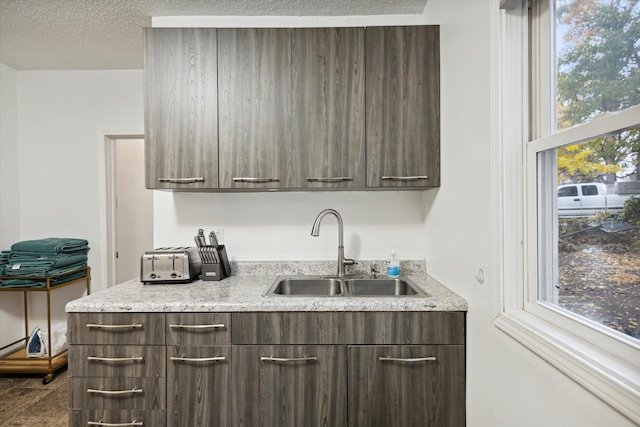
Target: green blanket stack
58,259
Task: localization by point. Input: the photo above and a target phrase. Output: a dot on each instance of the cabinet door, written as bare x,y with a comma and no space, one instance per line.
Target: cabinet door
181,120
198,386
328,107
406,386
289,386
255,108
403,106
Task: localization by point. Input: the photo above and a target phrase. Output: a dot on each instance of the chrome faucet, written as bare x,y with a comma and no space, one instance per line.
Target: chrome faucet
315,231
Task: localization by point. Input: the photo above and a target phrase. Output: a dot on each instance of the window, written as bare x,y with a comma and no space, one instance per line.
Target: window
575,119
571,191
589,190
584,268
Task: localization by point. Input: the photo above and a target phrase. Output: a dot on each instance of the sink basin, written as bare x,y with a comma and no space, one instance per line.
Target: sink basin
318,286
308,286
381,287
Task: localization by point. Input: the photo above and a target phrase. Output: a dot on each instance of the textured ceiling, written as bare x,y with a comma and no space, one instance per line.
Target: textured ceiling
107,34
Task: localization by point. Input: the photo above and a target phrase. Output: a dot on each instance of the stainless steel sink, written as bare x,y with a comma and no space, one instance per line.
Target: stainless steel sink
381,287
360,286
309,286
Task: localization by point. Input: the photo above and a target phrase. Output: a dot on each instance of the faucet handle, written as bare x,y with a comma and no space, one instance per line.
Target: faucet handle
349,261
374,272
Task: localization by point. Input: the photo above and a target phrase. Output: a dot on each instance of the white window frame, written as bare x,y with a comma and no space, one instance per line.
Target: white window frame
601,360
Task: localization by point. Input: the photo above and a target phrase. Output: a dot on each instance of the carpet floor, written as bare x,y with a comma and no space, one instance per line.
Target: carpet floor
26,402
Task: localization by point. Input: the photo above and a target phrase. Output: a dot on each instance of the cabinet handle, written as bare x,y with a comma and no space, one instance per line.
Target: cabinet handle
98,326
212,326
181,180
100,423
255,180
404,178
288,359
410,360
115,359
330,179
114,392
198,359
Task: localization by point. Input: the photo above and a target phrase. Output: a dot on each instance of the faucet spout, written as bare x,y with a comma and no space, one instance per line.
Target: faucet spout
315,231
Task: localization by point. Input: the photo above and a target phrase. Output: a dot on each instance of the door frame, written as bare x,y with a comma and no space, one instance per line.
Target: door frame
110,175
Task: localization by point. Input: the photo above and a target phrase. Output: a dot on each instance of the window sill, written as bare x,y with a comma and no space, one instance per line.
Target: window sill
613,380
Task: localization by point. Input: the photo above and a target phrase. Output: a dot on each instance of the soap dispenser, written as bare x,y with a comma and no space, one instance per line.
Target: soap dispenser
393,264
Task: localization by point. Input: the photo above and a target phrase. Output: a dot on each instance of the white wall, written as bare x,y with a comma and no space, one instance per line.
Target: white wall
64,115
9,179
63,118
507,385
10,303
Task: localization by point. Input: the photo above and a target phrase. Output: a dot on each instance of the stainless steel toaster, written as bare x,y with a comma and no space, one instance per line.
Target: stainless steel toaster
170,265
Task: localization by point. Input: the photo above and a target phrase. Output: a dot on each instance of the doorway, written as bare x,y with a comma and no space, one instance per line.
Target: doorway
130,207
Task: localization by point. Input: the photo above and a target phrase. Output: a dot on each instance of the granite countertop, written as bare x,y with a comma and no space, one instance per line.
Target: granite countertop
244,291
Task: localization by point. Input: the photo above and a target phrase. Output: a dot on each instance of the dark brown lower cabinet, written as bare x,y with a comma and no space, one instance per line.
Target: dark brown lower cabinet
280,369
289,385
409,385
198,386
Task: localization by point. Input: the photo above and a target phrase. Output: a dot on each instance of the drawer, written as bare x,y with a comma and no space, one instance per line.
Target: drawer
104,417
198,328
117,393
117,361
116,328
349,328
415,385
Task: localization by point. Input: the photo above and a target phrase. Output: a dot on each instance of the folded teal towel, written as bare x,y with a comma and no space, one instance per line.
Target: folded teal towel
26,263
19,254
43,271
50,245
39,283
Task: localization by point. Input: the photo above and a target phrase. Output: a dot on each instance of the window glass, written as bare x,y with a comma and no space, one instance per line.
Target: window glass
570,191
589,190
590,242
597,56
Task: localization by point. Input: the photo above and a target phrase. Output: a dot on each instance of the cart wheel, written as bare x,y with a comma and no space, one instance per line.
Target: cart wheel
47,379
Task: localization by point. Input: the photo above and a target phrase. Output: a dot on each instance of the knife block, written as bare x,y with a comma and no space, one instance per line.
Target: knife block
217,271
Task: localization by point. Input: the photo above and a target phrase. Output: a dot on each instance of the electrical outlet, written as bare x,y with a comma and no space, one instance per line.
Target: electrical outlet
219,235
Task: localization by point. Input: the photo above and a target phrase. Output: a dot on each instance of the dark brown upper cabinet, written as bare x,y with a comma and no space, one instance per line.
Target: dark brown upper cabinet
254,81
181,116
307,108
328,107
403,106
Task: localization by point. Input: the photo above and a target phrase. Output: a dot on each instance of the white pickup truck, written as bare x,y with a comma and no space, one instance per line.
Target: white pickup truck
588,199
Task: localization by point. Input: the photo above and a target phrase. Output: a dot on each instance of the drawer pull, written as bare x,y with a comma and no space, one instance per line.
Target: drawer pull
115,359
181,180
255,180
213,326
288,359
100,423
114,392
330,179
404,178
98,326
410,360
198,359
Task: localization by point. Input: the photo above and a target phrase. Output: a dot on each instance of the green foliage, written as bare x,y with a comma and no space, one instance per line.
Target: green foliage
598,71
631,212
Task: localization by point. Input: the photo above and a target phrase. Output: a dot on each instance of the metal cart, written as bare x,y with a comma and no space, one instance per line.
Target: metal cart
17,361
